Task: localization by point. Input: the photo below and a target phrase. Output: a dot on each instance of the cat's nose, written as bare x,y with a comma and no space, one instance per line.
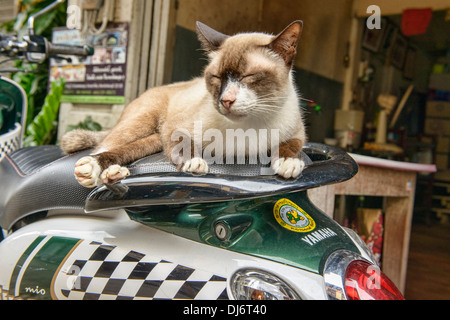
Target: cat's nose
228,103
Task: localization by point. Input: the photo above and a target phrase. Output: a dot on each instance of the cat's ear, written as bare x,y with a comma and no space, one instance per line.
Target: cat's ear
211,39
285,43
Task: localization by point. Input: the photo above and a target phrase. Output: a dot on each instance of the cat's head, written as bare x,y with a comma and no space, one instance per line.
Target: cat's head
249,73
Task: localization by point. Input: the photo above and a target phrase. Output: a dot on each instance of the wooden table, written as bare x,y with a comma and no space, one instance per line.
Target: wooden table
396,182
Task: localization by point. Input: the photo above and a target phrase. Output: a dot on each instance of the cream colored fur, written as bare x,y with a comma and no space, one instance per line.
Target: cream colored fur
248,84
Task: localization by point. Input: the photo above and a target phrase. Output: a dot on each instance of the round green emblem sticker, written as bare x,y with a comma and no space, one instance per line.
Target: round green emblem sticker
292,217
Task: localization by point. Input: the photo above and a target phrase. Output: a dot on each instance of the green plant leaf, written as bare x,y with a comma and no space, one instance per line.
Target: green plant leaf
87,124
42,129
36,84
44,22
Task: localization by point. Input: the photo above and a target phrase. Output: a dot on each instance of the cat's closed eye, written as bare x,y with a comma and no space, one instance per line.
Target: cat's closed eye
212,76
213,79
247,76
252,78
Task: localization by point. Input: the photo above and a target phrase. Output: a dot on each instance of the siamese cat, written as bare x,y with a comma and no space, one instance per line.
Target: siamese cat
248,84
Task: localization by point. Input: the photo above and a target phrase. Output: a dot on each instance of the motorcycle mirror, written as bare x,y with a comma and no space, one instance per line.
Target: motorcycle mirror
40,13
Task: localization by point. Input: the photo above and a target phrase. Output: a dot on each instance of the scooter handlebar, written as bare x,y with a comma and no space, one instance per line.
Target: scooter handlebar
11,46
60,49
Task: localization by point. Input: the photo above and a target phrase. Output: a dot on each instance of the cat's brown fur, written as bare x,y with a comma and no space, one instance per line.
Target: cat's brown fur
247,84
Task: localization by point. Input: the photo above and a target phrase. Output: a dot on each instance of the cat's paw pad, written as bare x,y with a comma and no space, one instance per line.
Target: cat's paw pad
114,173
196,166
288,168
87,171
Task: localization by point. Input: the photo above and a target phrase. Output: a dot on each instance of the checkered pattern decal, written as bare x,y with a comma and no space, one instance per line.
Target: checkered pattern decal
4,294
97,271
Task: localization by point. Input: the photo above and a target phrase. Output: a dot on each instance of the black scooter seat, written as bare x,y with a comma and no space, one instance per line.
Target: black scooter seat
39,179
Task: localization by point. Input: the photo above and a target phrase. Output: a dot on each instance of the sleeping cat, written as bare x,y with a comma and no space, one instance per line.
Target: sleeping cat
247,84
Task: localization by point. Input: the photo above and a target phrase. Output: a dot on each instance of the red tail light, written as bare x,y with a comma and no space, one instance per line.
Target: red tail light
349,276
364,281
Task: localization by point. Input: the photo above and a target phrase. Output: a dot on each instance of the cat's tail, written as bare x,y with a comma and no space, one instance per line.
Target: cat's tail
79,139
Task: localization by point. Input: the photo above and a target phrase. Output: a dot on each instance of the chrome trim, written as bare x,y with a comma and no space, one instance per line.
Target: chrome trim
364,249
334,273
32,18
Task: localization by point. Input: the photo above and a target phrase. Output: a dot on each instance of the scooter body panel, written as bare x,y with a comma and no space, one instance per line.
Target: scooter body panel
161,234
285,228
78,257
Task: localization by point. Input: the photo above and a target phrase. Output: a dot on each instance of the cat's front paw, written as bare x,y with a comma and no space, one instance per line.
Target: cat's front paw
114,173
87,171
288,168
196,166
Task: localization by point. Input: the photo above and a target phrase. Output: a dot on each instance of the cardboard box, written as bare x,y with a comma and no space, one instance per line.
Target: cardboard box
441,160
442,176
438,109
437,126
443,144
440,81
370,228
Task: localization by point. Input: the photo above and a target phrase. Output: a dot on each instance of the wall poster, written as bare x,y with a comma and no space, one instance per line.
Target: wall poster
99,78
